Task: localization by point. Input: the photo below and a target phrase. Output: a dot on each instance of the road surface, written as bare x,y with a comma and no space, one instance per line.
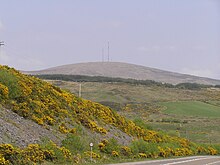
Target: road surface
193,160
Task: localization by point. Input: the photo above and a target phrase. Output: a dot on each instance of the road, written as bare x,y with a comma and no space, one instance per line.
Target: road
193,160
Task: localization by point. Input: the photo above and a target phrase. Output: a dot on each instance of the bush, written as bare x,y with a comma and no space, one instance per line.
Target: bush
139,122
3,161
139,146
75,144
109,146
10,81
126,151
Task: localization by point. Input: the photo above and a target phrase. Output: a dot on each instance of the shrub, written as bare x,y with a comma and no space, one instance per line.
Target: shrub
212,151
142,155
3,161
8,151
9,80
139,146
109,146
33,153
3,91
75,143
94,155
126,151
115,154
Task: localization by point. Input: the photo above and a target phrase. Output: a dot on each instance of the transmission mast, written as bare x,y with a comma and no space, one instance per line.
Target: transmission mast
103,55
108,51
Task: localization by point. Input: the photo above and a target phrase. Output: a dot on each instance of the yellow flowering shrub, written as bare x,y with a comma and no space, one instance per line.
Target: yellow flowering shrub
3,91
212,151
37,120
201,150
115,154
101,146
126,151
34,153
7,150
49,120
63,128
67,154
142,155
94,155
77,158
3,161
73,131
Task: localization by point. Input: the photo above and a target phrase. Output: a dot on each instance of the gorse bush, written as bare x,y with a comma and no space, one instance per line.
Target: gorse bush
108,146
33,153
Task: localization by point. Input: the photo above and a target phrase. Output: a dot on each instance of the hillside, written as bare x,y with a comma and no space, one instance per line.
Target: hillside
16,130
124,70
150,103
80,122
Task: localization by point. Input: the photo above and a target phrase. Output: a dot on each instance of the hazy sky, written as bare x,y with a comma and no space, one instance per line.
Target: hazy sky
175,35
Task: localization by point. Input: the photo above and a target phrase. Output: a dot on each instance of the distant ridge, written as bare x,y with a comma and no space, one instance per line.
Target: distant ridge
125,70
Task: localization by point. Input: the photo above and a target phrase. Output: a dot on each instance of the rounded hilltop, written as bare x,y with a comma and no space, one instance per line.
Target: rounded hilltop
125,70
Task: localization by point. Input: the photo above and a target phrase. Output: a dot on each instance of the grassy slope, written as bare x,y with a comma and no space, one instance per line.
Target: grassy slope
125,93
145,102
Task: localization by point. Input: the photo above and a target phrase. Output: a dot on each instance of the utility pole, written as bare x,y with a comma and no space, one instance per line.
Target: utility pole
1,44
80,89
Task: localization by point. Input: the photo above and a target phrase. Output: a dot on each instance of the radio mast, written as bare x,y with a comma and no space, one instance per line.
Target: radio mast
103,57
108,51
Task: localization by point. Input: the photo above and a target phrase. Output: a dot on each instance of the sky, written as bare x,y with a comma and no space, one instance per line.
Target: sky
181,36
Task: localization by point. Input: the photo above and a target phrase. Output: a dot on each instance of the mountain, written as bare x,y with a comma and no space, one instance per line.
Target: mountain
125,70
36,110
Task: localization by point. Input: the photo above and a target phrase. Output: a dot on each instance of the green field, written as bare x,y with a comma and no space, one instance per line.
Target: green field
193,114
192,108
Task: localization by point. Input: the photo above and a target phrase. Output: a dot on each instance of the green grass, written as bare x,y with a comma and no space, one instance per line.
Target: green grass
192,108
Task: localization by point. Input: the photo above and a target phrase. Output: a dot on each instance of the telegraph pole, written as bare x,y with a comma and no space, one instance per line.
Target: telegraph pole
1,43
80,90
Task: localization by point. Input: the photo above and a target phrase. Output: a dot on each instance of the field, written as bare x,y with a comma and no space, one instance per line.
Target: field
192,108
194,114
197,121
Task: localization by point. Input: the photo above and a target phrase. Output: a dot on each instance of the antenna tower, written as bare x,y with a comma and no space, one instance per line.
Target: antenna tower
103,55
108,51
